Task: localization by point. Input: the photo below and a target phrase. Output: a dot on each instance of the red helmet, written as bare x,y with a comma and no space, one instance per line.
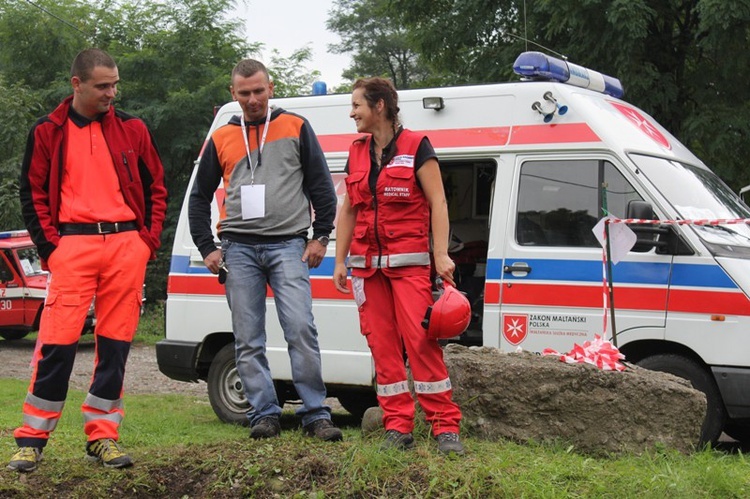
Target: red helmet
450,315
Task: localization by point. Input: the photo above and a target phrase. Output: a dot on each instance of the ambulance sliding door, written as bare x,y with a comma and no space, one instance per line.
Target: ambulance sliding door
551,275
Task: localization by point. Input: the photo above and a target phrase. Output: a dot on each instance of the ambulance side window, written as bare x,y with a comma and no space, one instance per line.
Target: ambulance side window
5,273
559,202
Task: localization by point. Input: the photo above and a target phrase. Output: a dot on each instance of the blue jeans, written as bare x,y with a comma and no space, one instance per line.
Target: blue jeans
280,265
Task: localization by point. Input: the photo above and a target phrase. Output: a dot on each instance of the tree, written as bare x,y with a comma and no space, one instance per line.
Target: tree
683,61
290,75
18,108
379,42
36,47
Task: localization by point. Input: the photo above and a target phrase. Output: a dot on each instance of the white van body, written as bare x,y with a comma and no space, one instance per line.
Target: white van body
523,197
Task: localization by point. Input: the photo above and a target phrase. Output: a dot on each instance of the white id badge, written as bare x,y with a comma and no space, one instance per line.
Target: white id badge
358,286
253,201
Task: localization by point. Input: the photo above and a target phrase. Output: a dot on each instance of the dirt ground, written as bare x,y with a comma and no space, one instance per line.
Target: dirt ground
142,374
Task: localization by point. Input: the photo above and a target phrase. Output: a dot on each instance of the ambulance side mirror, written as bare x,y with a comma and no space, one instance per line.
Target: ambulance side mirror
664,238
648,235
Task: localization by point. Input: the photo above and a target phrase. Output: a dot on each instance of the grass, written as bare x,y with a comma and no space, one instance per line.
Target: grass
182,450
151,325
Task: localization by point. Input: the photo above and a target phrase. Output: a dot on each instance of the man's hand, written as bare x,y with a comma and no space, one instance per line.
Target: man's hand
314,253
212,261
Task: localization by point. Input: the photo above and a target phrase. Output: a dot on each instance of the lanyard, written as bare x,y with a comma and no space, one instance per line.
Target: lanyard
260,146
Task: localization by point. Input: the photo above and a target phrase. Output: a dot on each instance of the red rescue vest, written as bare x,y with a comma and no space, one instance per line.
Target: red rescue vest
392,227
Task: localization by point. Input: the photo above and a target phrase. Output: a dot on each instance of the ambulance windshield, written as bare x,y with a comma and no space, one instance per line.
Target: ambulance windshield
699,194
30,261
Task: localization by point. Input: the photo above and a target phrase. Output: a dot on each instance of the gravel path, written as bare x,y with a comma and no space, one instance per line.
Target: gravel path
142,374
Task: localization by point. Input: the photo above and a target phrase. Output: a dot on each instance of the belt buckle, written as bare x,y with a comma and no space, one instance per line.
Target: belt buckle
101,230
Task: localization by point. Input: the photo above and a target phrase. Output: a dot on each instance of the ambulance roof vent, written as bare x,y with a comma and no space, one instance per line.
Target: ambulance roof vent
539,66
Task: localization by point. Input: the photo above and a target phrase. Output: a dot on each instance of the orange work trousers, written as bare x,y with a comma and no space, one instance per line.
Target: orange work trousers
111,267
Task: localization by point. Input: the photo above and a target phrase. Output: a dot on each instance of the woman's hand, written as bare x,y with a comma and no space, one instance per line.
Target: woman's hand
340,278
444,267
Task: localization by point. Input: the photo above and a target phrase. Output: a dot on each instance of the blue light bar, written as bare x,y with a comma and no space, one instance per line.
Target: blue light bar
13,233
539,66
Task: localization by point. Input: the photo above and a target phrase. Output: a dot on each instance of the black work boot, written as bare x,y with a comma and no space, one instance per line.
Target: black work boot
266,427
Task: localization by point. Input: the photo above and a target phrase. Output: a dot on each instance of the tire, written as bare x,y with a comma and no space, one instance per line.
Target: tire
225,390
702,380
739,430
357,402
13,335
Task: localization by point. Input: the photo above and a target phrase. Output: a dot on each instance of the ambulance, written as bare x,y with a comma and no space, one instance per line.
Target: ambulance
529,169
23,287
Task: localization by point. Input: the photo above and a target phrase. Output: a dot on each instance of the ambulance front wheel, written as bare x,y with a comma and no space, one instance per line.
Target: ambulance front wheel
225,390
702,380
356,403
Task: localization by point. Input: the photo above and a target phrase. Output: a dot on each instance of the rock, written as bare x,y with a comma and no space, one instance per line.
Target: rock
372,421
526,397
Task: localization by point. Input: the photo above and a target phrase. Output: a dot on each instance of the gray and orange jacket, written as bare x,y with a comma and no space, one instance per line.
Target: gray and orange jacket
392,228
292,168
137,163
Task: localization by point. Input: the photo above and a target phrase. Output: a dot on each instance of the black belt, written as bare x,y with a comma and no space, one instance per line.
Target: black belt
97,228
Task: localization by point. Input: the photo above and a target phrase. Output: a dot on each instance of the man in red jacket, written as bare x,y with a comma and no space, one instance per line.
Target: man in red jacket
94,201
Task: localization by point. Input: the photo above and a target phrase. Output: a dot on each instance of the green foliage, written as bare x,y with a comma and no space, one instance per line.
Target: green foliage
289,75
36,48
152,323
18,107
382,46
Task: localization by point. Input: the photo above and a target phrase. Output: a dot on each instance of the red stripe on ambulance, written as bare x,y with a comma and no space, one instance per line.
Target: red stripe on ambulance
208,285
680,300
484,136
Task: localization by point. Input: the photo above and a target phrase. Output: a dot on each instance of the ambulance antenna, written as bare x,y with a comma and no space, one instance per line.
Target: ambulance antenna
525,32
527,41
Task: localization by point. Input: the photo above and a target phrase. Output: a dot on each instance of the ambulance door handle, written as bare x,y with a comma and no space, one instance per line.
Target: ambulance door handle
518,269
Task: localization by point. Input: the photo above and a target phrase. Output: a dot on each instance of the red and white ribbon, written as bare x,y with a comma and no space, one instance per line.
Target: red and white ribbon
598,352
702,221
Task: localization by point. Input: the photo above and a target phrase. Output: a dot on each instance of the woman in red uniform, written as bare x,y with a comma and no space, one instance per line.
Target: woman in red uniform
394,199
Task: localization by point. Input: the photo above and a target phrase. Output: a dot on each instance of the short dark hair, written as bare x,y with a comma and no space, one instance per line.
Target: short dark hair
377,88
86,60
248,67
